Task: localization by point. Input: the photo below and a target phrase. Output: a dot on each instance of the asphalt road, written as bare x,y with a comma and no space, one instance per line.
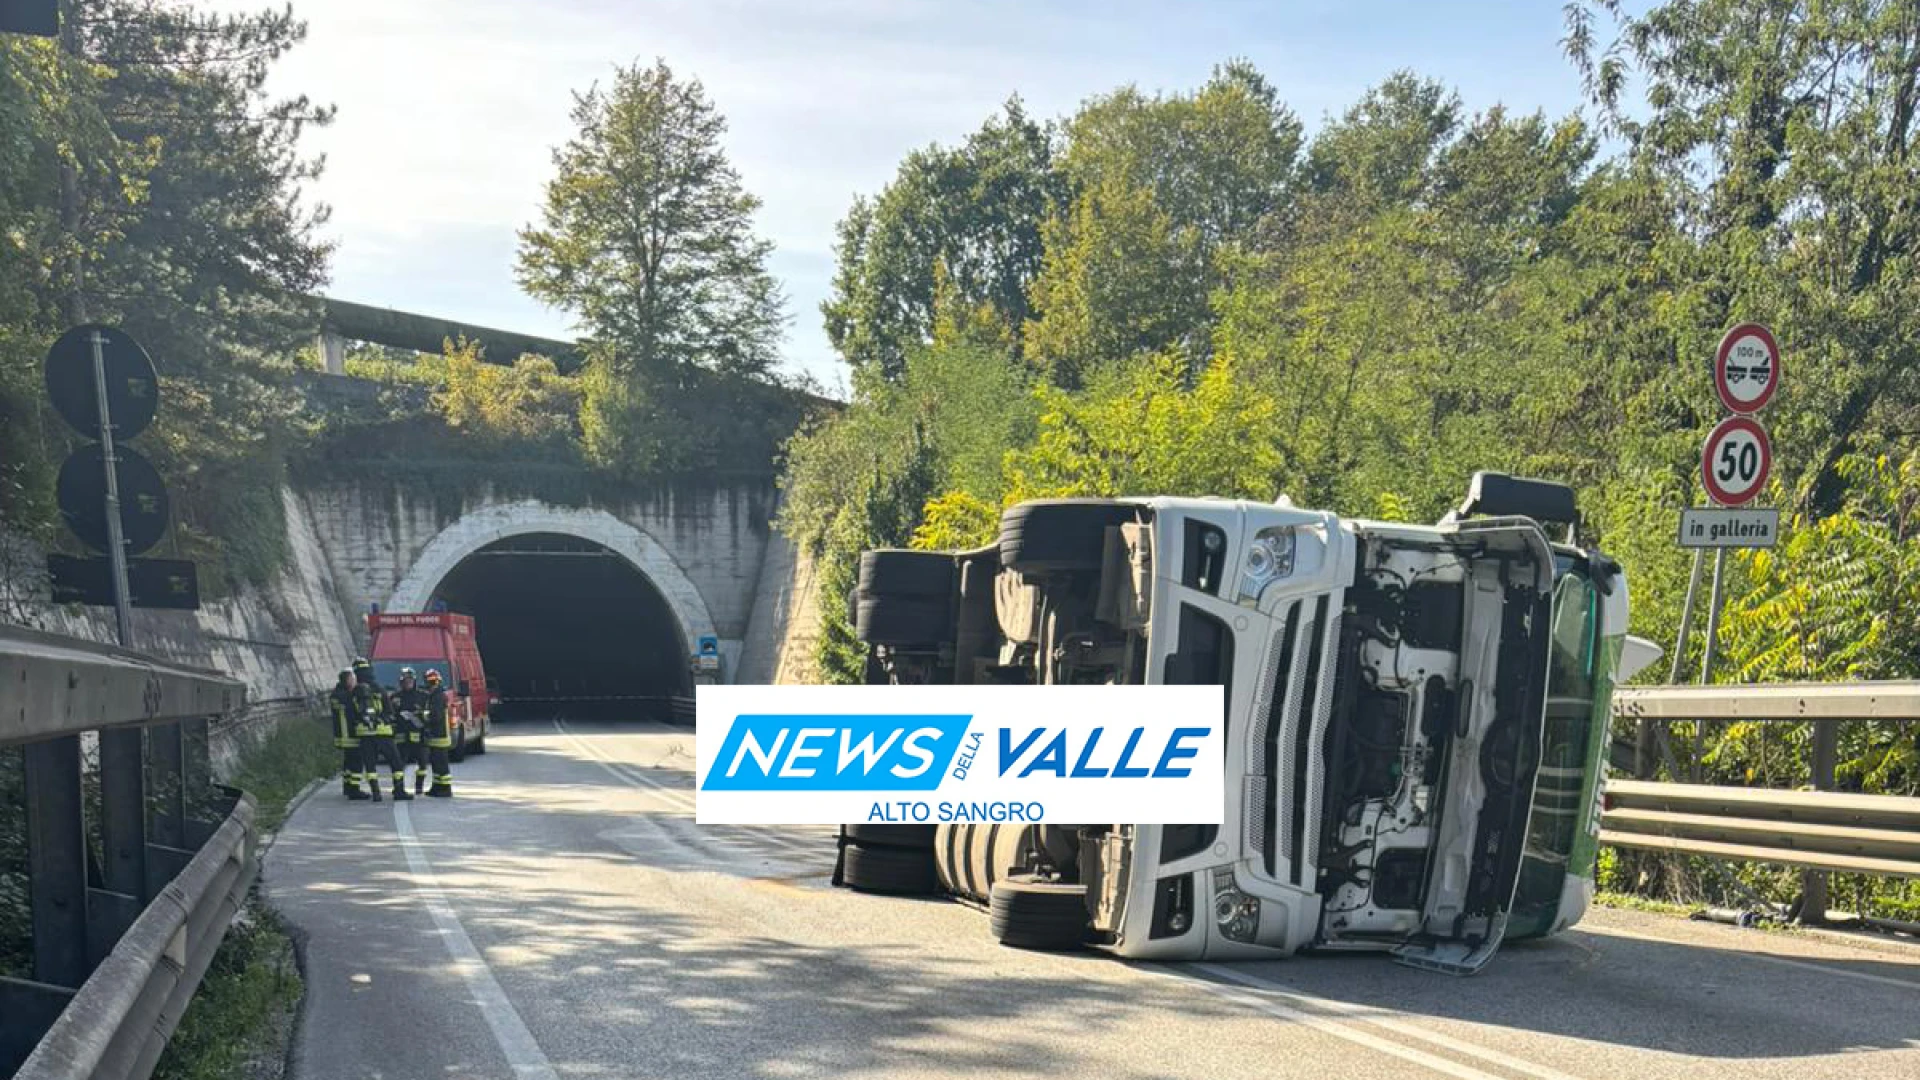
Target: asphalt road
564,917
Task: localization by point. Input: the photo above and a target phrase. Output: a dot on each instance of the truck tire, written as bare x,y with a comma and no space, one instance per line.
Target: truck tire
902,621
479,746
1052,536
459,751
1028,914
908,837
888,870
903,573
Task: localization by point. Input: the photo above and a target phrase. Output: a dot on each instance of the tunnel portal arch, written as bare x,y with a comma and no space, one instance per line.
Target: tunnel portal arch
487,525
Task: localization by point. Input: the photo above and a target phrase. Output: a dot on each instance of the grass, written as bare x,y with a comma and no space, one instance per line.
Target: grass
241,1019
285,762
242,1015
1632,902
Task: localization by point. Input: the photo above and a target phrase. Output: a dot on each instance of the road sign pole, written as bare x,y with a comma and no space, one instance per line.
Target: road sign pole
116,544
1713,616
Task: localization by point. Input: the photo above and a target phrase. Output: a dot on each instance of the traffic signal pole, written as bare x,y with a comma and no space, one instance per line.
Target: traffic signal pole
116,542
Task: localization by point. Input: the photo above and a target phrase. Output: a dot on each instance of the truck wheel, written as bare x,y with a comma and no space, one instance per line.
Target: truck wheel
909,837
1028,914
893,871
897,621
898,572
459,751
479,746
1058,535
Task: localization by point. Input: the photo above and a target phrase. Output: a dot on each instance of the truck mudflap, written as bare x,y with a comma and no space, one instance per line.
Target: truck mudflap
1450,956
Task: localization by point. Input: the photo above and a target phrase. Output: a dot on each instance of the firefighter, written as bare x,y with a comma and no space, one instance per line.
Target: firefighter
410,726
346,734
439,740
377,735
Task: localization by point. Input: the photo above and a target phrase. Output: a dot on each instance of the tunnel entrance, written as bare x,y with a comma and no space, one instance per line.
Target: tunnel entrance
568,627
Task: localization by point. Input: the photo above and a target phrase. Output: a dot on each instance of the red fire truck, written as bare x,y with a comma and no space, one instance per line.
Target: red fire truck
443,642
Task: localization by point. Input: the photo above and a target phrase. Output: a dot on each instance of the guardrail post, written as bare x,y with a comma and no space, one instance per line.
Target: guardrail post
123,809
123,834
167,851
1813,883
57,861
196,783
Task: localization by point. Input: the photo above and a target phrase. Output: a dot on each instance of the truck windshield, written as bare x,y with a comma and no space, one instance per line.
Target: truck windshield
1563,789
388,671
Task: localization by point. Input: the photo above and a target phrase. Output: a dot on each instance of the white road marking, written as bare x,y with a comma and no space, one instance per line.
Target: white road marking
680,798
516,1041
1265,1004
1765,958
1387,1020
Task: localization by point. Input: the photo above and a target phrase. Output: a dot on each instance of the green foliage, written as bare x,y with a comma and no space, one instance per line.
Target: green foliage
147,179
1421,291
243,1011
860,479
495,410
965,219
1138,430
646,234
280,766
646,237
1121,279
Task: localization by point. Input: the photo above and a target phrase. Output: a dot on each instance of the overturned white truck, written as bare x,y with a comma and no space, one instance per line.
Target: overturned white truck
1417,720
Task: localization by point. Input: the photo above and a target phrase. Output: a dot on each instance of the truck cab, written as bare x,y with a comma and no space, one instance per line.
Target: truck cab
445,642
1416,714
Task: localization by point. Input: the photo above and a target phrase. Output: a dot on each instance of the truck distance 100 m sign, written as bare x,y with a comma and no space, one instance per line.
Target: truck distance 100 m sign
1737,458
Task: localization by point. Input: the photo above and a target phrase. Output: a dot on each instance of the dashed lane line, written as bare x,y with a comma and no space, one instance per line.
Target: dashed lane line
510,1031
679,798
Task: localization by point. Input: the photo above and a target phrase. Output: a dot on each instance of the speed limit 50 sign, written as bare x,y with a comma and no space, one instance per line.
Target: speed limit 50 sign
1736,460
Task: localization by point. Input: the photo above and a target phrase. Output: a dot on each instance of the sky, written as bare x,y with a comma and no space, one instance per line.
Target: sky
449,109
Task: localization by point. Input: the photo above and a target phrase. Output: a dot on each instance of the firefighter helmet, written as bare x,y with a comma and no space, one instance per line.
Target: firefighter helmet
433,675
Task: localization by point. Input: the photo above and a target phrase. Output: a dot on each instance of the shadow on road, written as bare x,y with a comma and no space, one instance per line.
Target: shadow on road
607,937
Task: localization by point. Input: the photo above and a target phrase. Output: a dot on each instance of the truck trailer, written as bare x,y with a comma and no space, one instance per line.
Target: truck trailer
1417,720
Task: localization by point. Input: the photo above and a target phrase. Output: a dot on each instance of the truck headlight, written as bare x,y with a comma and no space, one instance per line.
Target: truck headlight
1237,914
1269,559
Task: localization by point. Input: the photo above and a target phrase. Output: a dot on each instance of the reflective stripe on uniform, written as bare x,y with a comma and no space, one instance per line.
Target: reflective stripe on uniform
440,744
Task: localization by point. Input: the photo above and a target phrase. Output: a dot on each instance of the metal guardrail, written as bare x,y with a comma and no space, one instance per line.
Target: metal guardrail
118,1023
1819,831
1815,830
120,934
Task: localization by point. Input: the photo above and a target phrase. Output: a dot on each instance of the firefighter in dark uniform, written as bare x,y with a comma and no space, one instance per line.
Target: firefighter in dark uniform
410,726
439,740
346,734
377,740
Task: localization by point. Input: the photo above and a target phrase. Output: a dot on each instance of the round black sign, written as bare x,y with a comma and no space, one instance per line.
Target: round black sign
82,491
133,390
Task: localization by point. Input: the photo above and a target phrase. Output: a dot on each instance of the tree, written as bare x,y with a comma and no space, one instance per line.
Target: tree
1166,191
966,219
151,181
1782,133
647,234
1219,161
1121,280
